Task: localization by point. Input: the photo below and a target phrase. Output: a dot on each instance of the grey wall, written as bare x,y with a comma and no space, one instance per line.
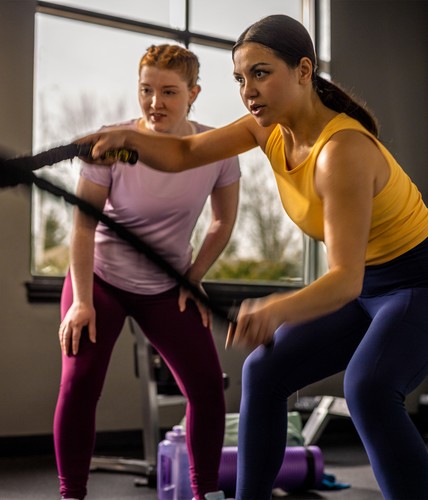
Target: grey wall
380,51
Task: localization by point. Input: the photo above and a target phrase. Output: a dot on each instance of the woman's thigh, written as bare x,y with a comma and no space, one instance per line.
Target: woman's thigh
185,344
392,359
305,353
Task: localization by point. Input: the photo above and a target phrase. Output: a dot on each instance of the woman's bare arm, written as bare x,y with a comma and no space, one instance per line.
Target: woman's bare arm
171,153
82,313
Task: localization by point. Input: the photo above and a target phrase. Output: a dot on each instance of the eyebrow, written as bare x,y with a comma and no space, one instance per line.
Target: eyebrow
255,66
164,87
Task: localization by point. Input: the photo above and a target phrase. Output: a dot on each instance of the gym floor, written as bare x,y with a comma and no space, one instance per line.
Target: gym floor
32,475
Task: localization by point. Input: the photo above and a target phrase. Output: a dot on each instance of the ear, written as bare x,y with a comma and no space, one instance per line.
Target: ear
305,69
193,94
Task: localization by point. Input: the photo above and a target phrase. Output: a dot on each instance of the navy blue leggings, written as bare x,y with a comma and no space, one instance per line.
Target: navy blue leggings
380,340
189,350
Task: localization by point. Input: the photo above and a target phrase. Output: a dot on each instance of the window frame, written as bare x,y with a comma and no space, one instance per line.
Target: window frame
45,289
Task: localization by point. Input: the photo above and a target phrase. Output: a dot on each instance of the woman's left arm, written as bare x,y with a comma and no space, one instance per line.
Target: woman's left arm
345,178
224,207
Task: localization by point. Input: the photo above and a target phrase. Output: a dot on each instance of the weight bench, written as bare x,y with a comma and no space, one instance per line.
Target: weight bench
322,409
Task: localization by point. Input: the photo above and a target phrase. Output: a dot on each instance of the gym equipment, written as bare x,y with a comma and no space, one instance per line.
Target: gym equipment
323,408
302,468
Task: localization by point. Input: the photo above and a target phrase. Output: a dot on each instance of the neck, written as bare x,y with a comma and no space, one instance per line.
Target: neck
184,128
310,123
188,128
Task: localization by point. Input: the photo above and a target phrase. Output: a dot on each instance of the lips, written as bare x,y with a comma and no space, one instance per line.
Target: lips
157,116
256,108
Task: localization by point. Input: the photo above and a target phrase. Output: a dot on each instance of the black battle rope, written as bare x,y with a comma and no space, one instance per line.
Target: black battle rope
20,171
61,153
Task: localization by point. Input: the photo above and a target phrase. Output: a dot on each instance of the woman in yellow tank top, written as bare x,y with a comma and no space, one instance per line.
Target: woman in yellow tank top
366,315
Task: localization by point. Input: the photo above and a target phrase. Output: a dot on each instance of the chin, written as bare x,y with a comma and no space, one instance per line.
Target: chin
263,122
159,128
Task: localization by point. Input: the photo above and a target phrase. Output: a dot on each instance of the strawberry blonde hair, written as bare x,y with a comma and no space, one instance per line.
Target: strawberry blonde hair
173,57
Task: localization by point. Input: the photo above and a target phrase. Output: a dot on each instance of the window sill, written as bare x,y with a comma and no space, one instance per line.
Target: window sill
44,289
223,293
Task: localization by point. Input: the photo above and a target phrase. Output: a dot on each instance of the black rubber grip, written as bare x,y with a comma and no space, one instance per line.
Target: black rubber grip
124,155
121,154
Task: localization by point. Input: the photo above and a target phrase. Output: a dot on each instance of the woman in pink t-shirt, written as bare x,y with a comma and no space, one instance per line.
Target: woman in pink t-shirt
109,280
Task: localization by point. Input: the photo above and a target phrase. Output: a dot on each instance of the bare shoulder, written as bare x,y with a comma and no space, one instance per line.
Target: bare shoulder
347,143
350,154
349,148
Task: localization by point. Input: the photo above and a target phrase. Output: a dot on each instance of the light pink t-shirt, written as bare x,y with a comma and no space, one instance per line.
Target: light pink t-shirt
161,209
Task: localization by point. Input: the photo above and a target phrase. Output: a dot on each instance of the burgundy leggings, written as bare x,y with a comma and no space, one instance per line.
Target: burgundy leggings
189,351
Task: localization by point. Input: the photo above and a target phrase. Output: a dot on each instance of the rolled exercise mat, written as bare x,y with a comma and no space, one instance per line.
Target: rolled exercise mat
302,469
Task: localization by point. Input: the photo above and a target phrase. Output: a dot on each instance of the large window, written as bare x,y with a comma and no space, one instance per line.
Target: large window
167,13
86,60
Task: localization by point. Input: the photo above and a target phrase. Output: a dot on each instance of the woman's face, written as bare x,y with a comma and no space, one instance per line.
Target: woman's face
269,88
164,99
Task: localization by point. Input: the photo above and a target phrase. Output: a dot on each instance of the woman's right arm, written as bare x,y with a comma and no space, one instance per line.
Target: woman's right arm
171,153
82,312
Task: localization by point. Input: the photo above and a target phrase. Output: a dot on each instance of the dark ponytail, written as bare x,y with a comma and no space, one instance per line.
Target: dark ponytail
290,41
337,99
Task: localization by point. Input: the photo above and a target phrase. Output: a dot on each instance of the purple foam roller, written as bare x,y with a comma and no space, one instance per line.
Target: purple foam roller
302,469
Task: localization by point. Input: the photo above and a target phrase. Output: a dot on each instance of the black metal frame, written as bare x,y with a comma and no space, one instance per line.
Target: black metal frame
184,36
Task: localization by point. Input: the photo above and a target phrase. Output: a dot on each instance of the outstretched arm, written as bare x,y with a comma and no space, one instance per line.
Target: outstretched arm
171,153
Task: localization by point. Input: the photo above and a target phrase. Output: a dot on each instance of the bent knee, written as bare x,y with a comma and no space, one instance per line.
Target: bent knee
257,371
367,393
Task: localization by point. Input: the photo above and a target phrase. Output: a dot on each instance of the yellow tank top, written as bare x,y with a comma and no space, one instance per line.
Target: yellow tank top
399,217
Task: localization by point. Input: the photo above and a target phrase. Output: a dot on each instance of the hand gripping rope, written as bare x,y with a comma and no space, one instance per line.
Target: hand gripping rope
20,171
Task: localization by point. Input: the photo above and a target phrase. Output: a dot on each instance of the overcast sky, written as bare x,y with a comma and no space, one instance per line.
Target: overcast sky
75,58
